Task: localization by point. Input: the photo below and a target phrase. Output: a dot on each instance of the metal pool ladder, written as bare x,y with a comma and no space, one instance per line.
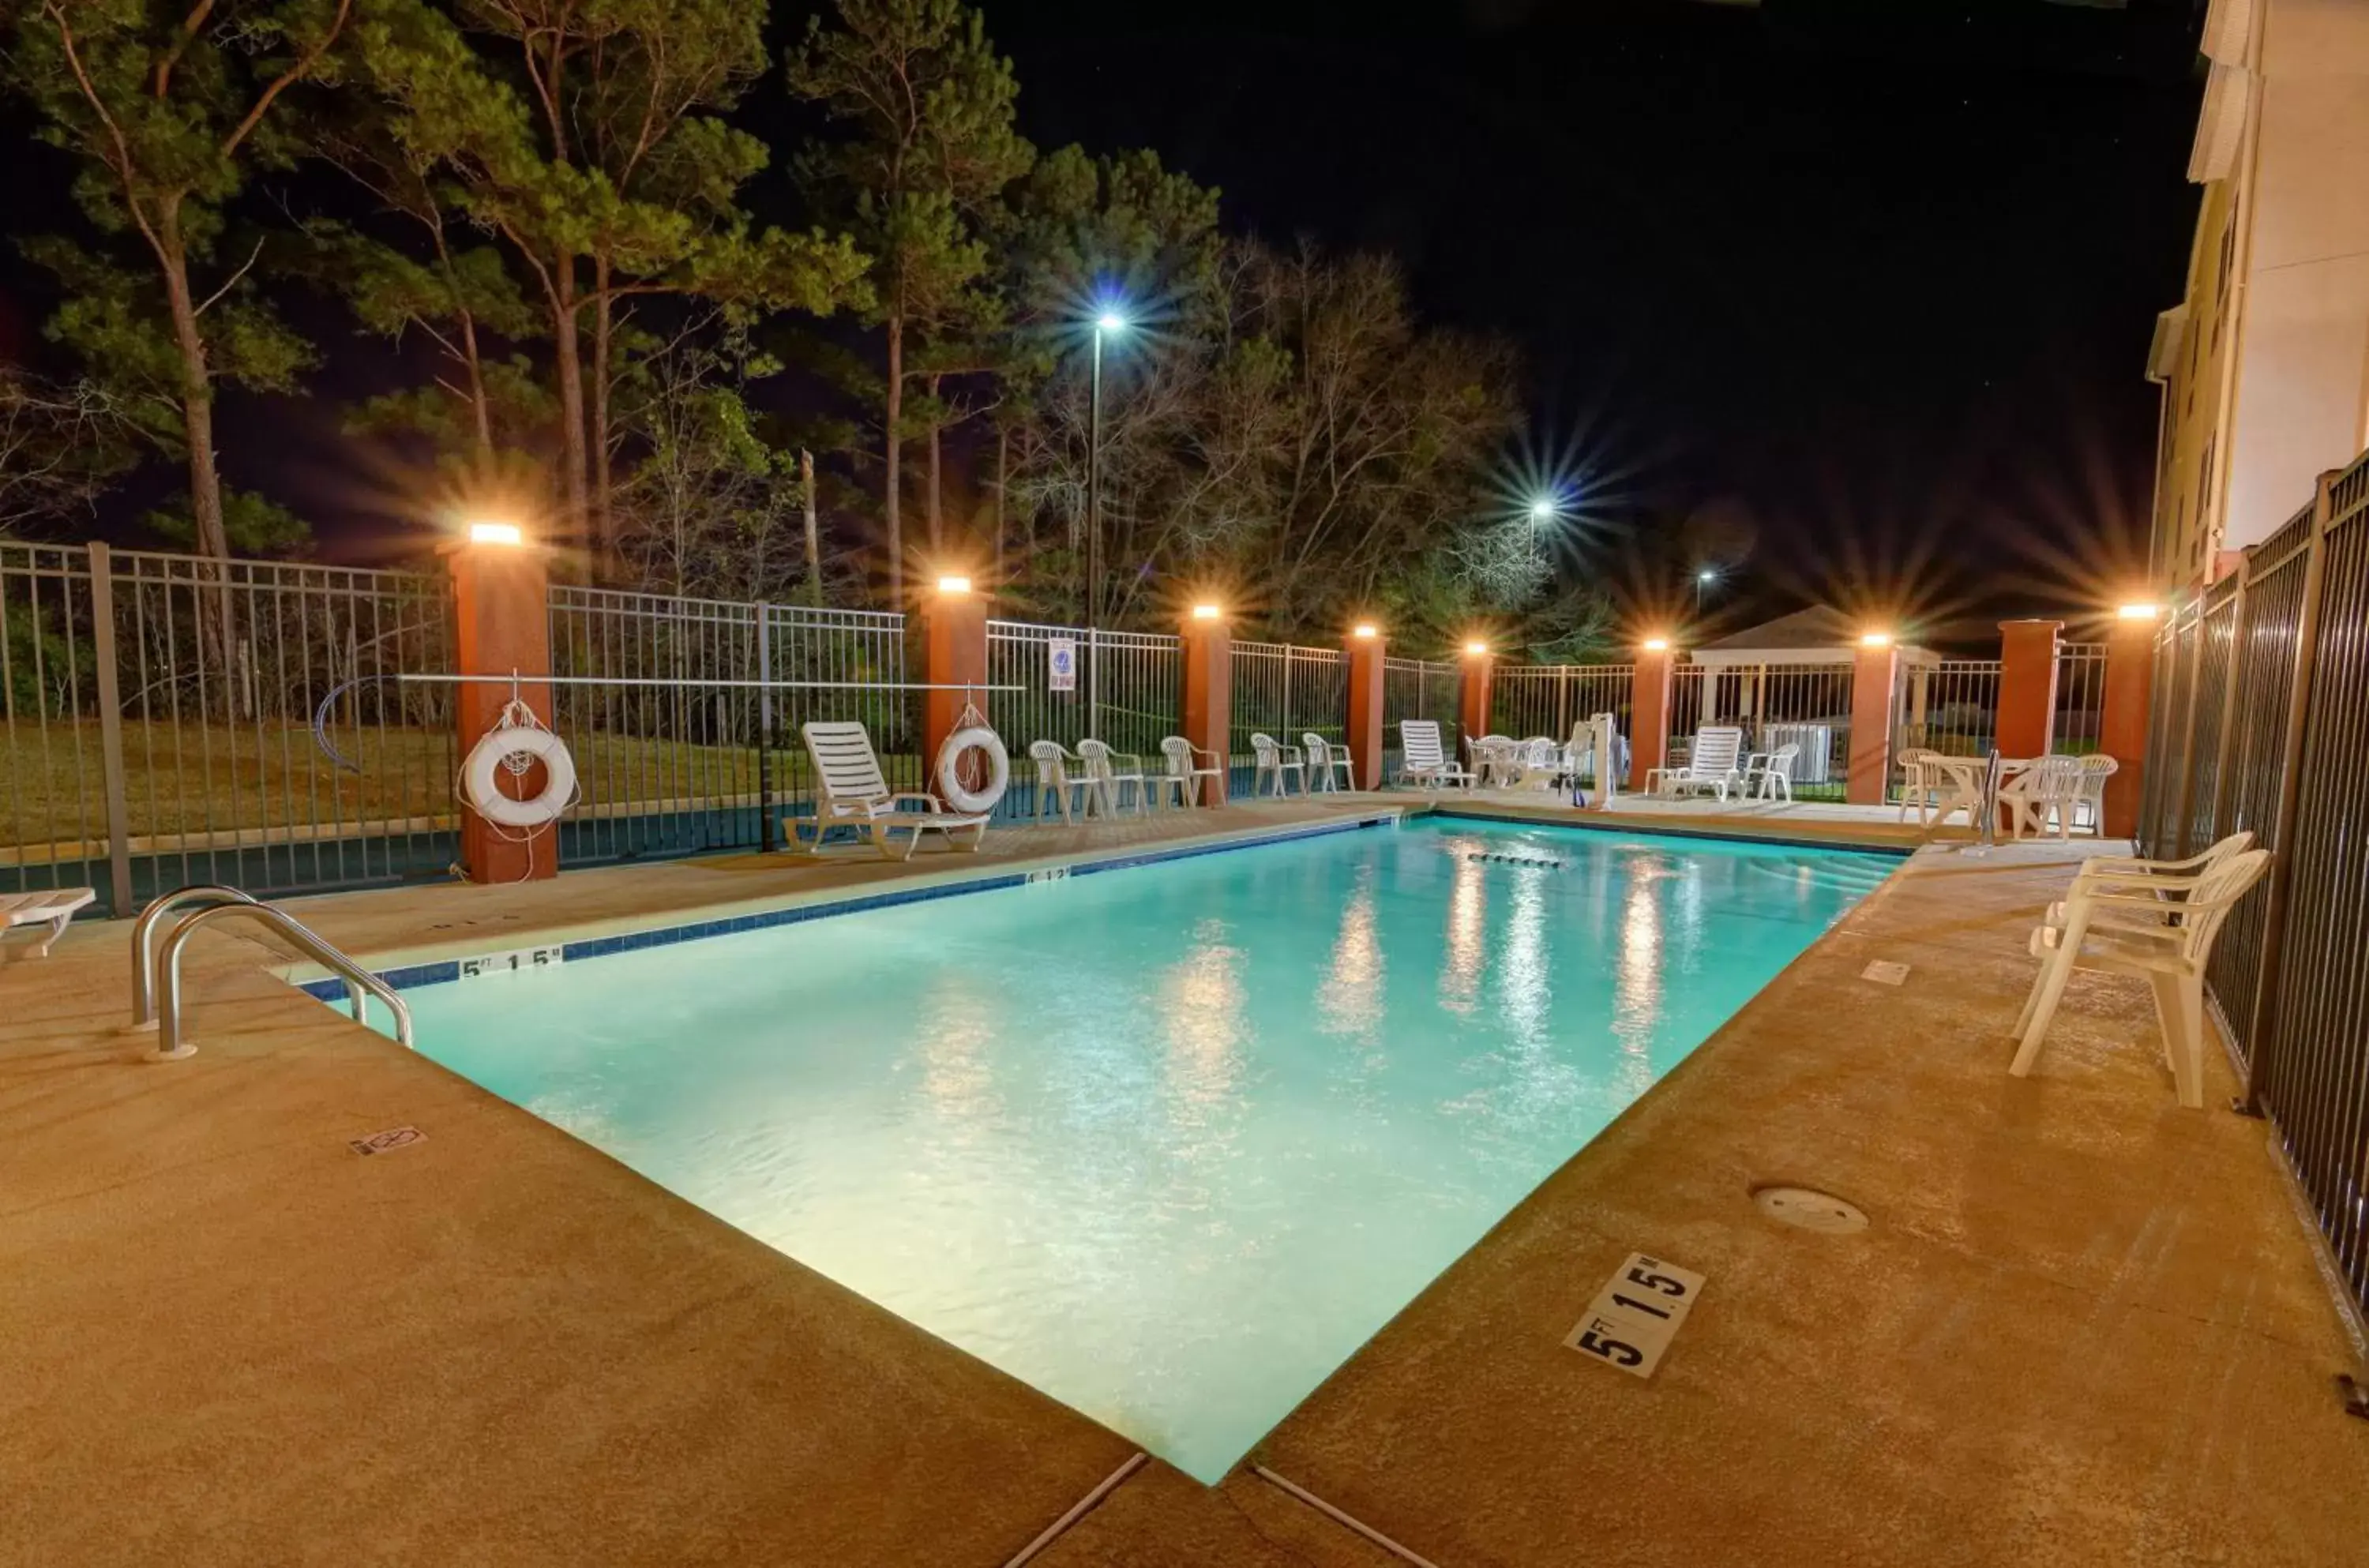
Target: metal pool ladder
156,976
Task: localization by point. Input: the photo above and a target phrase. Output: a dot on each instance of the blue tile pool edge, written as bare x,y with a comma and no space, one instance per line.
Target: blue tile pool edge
1658,831
407,977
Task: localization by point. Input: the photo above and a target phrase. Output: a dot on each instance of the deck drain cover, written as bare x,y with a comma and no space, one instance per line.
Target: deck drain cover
1809,1208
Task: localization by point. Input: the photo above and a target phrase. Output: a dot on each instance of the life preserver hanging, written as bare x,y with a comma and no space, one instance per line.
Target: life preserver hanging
496,752
953,790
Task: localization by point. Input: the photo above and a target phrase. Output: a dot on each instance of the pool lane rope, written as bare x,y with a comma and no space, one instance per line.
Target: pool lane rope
973,768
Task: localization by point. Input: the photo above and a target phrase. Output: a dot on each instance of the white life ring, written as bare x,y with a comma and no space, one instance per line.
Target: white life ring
950,789
486,761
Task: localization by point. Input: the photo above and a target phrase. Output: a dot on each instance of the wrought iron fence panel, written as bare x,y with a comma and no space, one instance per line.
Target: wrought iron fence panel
1950,705
2080,717
1138,687
1808,705
837,666
54,818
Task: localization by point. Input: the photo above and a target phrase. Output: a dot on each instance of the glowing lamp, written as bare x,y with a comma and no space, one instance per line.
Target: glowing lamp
1364,629
1876,639
1204,612
1657,645
1706,576
1476,650
496,534
954,585
1110,321
1541,510
2138,611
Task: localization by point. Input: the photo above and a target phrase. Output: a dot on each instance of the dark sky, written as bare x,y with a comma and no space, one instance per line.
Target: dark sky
1879,272
1873,277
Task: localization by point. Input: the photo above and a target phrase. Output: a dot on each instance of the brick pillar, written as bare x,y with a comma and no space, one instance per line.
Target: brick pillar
1472,701
1364,733
1209,698
2027,702
1873,669
1649,713
500,602
2130,681
954,653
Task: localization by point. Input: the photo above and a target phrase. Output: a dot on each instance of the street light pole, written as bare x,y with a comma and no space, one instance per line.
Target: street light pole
1094,530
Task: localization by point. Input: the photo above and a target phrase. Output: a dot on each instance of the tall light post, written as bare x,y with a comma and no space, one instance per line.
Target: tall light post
1107,322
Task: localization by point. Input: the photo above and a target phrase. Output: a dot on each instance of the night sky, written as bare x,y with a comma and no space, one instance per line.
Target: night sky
1866,283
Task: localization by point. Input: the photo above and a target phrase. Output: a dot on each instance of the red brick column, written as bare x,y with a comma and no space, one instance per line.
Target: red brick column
2027,702
500,603
2130,683
1472,703
954,653
1873,669
1364,737
1649,713
1208,696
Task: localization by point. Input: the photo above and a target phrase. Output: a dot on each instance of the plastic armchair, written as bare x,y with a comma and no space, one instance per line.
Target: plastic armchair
1329,763
1185,773
1055,781
1275,761
2169,945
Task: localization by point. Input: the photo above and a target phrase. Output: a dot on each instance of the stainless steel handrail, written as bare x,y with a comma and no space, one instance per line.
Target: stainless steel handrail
143,942
172,1045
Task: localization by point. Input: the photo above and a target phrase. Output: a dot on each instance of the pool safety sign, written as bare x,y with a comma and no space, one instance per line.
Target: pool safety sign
1061,664
1634,1318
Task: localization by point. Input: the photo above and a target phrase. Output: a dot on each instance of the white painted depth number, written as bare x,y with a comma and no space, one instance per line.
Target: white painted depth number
502,963
1634,1319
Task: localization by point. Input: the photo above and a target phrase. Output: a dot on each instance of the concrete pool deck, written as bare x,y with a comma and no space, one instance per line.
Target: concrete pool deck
2084,1326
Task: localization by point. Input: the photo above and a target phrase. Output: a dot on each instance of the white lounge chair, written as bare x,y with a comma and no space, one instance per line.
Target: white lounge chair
1329,763
853,794
1057,782
52,908
1185,773
2163,933
1714,763
1274,760
1110,772
1425,762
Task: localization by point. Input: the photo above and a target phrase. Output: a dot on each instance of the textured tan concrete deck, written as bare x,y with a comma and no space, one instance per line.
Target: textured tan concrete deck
2084,1328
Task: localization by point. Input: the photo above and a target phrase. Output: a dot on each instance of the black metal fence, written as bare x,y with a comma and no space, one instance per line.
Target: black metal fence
2257,724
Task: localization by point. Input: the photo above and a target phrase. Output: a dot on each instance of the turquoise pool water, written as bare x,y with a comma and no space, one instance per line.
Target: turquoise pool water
1168,1142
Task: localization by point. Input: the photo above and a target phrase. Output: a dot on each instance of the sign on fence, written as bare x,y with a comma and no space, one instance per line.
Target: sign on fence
1062,667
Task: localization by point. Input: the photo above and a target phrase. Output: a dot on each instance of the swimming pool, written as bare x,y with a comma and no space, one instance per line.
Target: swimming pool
1168,1143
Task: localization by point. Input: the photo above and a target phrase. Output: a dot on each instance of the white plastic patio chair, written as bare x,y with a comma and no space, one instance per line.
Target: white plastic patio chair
2090,807
1185,773
1058,783
851,793
1274,760
1920,785
2042,798
1422,760
1535,763
1770,777
1329,764
1111,772
2169,945
1714,763
54,909
2160,879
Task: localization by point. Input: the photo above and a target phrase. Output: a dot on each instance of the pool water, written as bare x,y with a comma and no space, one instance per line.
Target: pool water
1170,1142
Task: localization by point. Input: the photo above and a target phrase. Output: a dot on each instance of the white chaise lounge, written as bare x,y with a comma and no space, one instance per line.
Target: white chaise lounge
851,793
1425,761
52,908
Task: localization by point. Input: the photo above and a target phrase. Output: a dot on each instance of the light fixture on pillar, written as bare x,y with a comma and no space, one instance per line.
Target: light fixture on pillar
953,584
1205,613
1364,631
1476,649
2138,611
1655,645
508,533
1875,639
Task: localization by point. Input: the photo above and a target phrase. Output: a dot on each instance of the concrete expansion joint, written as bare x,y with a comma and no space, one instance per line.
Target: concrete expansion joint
1403,1553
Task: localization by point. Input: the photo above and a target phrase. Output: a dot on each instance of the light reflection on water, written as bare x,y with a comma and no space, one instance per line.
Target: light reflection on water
1168,1143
